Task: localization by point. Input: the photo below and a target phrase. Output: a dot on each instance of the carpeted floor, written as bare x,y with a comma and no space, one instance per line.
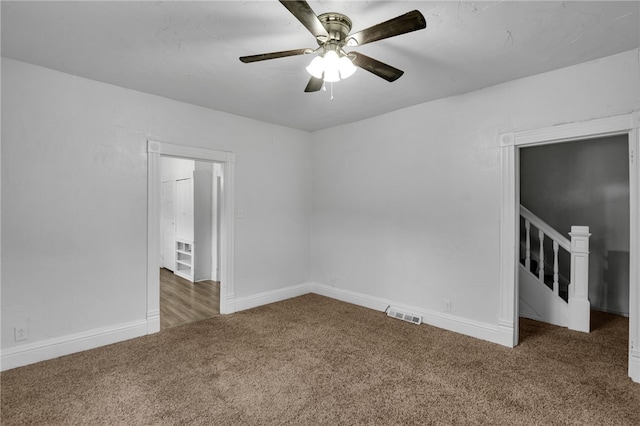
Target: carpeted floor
314,360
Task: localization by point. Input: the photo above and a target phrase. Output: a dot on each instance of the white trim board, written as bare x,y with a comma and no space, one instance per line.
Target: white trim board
53,348
273,296
479,330
510,143
476,329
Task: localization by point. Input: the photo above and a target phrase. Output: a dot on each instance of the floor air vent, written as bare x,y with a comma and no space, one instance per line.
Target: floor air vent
405,316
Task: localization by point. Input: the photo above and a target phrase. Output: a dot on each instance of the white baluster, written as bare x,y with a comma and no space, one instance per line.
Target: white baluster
541,260
527,255
556,286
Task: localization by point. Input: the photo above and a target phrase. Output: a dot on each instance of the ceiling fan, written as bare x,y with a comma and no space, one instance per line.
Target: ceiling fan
331,31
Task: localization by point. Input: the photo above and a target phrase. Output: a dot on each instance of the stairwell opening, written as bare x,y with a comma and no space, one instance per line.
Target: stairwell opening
511,147
583,182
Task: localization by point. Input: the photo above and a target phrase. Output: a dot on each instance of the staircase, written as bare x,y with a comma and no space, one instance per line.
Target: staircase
553,273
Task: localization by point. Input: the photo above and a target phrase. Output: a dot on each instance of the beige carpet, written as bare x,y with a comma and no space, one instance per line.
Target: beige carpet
313,360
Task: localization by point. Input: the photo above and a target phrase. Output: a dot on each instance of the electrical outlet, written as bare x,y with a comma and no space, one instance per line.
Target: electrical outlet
446,305
21,333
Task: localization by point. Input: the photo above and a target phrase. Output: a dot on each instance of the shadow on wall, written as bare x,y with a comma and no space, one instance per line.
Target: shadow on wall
614,291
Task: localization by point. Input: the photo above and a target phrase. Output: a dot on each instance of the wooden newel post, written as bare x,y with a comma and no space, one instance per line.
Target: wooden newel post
579,306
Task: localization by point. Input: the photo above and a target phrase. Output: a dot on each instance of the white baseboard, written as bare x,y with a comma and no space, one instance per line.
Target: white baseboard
227,304
40,351
348,296
153,322
610,311
248,302
489,332
634,366
52,348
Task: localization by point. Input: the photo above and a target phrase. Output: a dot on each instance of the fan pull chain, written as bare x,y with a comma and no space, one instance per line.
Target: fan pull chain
324,89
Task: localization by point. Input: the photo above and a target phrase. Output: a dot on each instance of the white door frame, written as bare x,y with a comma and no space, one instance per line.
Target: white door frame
510,207
227,225
163,261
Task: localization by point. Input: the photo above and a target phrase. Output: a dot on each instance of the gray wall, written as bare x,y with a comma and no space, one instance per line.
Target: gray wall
586,183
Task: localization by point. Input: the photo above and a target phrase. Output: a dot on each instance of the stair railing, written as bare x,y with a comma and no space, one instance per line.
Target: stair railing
578,248
558,241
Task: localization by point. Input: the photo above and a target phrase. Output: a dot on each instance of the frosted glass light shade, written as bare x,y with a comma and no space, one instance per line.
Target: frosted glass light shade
331,75
331,67
331,59
316,67
346,67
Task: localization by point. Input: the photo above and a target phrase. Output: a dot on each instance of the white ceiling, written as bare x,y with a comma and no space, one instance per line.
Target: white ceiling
189,51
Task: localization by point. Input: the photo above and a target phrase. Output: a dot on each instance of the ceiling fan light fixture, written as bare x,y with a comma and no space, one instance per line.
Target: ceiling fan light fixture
332,31
331,67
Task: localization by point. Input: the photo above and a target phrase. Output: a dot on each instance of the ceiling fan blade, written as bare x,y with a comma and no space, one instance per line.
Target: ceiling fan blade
314,84
274,55
307,17
411,21
376,67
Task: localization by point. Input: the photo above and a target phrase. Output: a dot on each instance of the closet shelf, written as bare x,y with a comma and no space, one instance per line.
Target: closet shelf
184,259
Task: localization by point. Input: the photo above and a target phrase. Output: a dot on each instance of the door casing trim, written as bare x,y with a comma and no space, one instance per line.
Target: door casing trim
155,150
510,143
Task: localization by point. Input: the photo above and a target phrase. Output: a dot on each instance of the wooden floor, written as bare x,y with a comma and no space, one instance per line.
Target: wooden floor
182,301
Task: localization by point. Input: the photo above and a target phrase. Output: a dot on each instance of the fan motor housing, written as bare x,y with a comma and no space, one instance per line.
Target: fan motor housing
337,25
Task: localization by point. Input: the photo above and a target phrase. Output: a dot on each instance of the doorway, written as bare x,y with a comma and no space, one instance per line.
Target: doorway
581,183
510,144
189,247
156,150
